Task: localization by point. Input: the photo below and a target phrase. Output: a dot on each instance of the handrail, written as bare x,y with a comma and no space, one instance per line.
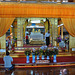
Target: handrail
47,2
9,1
28,1
41,2
67,2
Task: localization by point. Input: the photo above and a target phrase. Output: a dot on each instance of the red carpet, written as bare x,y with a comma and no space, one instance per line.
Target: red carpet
35,45
20,60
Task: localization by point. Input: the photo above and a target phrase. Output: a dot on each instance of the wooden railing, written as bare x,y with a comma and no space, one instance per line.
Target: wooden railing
39,0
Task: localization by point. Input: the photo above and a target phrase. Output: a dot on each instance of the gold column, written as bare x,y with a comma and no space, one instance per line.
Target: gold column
46,26
15,28
62,32
20,22
24,27
58,30
50,29
54,30
71,43
3,42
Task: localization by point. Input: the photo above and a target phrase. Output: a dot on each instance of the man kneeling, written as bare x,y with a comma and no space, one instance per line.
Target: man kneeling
7,62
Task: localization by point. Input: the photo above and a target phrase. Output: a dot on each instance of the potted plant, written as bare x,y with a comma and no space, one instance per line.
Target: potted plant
33,55
55,52
37,54
42,52
27,53
46,53
50,54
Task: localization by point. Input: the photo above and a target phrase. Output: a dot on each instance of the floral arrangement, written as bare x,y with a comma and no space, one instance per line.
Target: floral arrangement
42,52
58,39
45,52
35,52
55,51
50,53
27,52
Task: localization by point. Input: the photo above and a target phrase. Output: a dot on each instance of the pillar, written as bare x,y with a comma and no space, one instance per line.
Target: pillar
20,22
71,44
24,27
46,26
3,42
50,32
53,30
58,31
14,29
62,32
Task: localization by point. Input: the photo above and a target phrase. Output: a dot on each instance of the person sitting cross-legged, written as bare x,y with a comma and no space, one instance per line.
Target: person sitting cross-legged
7,62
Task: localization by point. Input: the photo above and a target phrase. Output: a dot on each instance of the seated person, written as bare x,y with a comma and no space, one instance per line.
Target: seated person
7,62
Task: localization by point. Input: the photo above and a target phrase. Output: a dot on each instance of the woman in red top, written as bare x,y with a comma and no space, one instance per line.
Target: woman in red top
27,40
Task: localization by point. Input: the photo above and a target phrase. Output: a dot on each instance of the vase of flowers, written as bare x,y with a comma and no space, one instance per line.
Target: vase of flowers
42,53
47,57
33,55
50,54
27,59
55,52
33,58
37,54
47,54
37,57
27,53
43,57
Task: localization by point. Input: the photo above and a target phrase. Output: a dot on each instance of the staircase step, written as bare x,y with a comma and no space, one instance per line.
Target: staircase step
41,66
19,53
31,47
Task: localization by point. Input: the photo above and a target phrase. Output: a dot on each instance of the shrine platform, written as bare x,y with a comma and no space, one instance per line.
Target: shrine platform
20,58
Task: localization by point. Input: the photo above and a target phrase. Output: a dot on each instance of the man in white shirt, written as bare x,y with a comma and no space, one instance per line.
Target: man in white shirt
7,62
47,37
